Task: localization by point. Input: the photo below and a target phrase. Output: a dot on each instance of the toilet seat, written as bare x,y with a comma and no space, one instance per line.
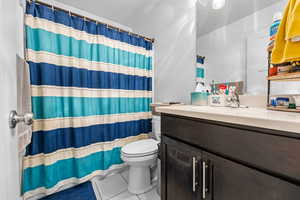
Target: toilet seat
138,155
140,148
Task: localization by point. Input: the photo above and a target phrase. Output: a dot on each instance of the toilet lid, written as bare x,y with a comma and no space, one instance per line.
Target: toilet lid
141,147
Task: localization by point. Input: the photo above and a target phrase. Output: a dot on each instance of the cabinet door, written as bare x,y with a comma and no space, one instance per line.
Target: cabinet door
180,172
233,181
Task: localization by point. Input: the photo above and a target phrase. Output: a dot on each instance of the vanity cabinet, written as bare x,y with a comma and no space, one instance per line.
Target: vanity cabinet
182,170
198,165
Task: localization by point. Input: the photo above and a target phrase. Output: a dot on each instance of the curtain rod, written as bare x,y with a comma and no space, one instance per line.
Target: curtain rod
93,20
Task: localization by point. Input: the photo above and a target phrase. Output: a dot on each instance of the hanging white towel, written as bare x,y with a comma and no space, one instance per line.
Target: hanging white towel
23,131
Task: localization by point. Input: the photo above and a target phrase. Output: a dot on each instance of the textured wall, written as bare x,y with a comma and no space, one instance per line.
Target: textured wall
173,25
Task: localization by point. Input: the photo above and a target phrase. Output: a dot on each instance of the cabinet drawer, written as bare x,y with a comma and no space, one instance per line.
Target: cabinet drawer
274,154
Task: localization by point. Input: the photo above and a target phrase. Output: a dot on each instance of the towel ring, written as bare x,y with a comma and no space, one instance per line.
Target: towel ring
14,119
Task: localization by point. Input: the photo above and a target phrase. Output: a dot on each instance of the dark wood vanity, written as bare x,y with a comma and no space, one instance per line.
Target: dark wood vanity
204,159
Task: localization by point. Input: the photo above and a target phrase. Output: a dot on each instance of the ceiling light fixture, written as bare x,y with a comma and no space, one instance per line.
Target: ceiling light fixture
203,2
218,4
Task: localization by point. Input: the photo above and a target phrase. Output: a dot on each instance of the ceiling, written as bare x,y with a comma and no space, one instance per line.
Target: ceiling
209,19
125,12
131,12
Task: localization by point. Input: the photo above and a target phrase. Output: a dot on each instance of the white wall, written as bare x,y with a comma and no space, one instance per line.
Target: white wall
81,11
10,14
231,49
173,25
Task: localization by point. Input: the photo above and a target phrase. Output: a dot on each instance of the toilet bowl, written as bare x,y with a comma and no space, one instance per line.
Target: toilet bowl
140,156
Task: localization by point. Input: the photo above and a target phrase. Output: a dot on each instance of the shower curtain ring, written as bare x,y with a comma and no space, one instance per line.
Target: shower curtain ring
52,8
70,13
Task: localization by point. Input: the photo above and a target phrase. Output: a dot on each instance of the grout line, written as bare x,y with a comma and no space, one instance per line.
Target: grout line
117,194
137,196
100,190
96,190
124,177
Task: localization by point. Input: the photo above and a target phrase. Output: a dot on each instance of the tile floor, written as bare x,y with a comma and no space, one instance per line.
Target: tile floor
114,187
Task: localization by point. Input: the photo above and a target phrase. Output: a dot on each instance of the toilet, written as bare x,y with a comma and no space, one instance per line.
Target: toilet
140,157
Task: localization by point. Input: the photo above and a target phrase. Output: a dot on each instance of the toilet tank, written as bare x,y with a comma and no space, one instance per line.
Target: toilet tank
156,130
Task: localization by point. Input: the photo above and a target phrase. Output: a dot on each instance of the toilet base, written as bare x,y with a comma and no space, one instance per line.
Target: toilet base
139,179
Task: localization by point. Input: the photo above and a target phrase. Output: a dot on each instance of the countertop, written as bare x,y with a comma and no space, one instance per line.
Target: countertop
256,117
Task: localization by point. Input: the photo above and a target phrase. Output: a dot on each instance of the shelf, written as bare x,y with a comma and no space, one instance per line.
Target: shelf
285,77
283,109
270,49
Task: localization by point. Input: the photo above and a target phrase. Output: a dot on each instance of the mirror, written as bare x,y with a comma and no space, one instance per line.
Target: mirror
234,38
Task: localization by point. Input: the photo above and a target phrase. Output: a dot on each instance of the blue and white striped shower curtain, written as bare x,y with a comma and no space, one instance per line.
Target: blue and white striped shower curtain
91,90
200,70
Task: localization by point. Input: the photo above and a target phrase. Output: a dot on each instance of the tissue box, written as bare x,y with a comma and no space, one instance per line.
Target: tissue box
199,98
218,100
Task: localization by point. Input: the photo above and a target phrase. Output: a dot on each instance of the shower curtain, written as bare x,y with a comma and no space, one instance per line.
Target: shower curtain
91,90
200,70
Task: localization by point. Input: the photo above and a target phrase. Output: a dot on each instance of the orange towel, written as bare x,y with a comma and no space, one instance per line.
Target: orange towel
285,50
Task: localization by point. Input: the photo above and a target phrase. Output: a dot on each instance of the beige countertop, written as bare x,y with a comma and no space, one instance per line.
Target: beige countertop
257,117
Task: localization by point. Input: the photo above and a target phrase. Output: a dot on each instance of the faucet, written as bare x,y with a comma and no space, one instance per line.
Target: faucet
234,99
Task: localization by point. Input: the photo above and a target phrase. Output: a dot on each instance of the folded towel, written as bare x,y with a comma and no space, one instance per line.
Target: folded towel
286,48
23,131
293,22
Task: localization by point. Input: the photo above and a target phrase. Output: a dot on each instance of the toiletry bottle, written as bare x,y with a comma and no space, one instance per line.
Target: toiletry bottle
227,89
222,89
213,91
275,25
274,29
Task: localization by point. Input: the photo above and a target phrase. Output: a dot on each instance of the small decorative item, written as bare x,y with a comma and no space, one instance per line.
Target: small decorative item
282,102
218,100
273,71
295,66
284,68
292,106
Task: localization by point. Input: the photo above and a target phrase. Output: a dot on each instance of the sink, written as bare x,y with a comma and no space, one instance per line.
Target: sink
241,107
222,110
